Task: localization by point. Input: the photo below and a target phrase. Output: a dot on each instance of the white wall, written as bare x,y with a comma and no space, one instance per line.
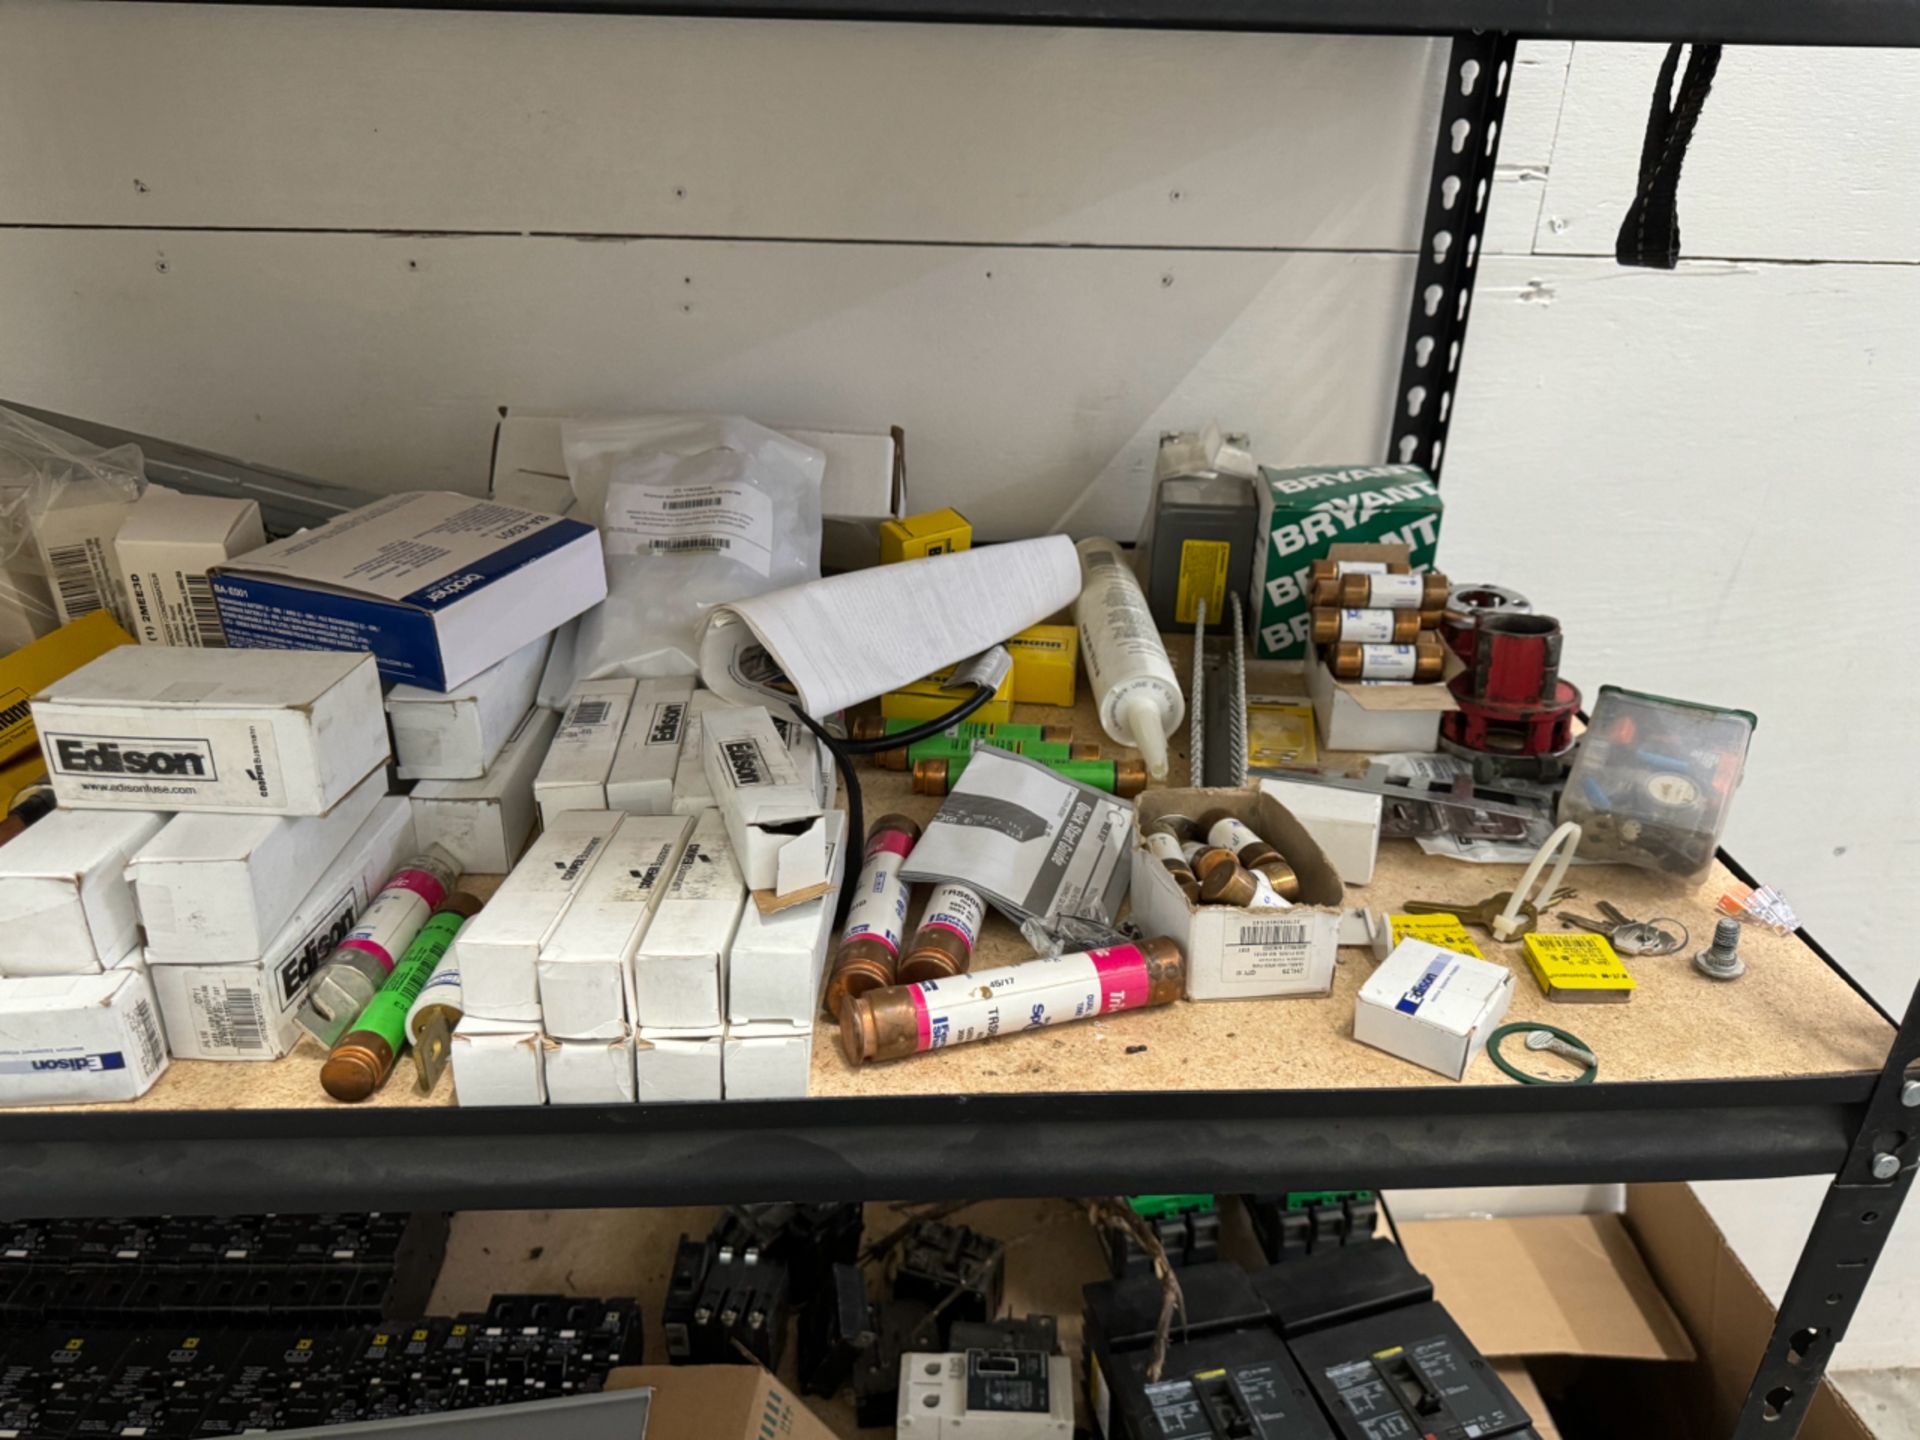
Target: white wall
337,241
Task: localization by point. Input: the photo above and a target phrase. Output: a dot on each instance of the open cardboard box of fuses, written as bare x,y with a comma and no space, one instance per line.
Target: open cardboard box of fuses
1235,954
1377,715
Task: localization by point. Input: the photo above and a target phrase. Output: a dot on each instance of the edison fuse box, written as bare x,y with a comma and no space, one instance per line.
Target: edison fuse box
986,1394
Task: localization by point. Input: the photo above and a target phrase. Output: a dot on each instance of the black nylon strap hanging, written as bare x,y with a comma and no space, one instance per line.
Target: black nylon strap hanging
1650,234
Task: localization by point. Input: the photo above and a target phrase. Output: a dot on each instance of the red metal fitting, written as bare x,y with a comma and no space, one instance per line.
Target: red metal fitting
1511,697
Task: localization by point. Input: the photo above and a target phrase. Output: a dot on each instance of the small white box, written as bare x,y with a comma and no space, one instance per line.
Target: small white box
498,1062
484,823
1431,1006
586,965
1344,823
691,794
641,781
498,951
574,774
1235,954
677,1065
772,811
680,967
79,1039
270,732
591,1072
248,1011
65,905
456,734
775,965
165,549
767,1062
224,885
438,586
1358,715
75,544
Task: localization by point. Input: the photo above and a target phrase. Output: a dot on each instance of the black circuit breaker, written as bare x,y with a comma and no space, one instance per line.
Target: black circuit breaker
899,1326
724,1306
958,1270
1408,1372
1237,1385
808,1240
1291,1226
836,1328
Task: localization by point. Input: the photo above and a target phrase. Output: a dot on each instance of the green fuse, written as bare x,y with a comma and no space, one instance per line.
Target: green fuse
361,1059
1125,778
940,747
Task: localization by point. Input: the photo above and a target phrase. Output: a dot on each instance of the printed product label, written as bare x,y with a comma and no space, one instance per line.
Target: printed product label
663,728
1265,897
1446,931
1359,567
232,762
1397,592
1416,994
1268,950
706,872
957,908
1041,992
175,608
1368,627
395,917
1203,577
1164,847
82,579
735,521
1229,834
587,714
643,878
293,973
1388,662
746,767
879,909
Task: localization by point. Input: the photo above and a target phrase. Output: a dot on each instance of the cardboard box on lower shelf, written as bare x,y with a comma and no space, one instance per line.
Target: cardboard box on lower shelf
719,1402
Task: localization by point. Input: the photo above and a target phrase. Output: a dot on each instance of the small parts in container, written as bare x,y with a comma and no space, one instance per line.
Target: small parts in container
1547,1039
1225,832
902,1020
1759,905
1168,850
1515,716
1422,661
1653,782
868,957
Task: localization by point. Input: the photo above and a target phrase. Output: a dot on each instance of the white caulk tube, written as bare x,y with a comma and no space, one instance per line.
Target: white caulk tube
1141,703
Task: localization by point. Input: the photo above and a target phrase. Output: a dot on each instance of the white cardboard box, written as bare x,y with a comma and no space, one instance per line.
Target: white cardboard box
65,905
484,823
574,774
79,1039
679,971
772,811
498,951
247,1011
586,965
456,734
439,586
691,793
224,885
75,546
1239,954
498,1062
767,1062
165,549
775,965
1432,1006
641,780
677,1065
272,732
591,1072
558,678
1344,823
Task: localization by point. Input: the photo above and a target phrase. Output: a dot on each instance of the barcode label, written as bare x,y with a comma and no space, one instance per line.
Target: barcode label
244,1027
708,543
705,502
146,1030
590,712
74,577
1273,935
205,612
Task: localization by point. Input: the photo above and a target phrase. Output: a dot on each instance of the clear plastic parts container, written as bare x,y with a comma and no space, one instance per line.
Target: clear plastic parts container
1654,781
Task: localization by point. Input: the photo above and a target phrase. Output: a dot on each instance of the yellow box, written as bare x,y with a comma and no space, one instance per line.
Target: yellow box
31,668
937,532
1046,665
1446,931
925,700
1579,966
16,775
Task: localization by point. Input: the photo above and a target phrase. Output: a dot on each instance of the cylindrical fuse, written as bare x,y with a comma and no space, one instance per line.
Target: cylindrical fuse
1394,592
1248,889
1124,778
950,928
1168,852
943,747
1336,569
1182,827
875,727
1250,850
869,953
362,1059
360,964
907,1019
1205,859
1367,627
436,1010
1425,659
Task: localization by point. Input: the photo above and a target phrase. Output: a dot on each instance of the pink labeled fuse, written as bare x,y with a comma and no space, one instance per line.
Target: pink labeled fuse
868,956
948,931
904,1020
359,965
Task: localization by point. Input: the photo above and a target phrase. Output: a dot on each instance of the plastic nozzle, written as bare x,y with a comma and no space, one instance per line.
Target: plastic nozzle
1140,717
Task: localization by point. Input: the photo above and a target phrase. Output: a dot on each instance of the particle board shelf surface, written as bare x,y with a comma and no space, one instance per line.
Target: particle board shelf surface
1790,1016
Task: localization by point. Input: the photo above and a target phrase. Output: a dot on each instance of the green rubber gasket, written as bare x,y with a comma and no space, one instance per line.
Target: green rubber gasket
1585,1077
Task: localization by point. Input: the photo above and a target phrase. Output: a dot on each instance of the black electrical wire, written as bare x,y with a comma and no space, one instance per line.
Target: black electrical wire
1386,1214
843,752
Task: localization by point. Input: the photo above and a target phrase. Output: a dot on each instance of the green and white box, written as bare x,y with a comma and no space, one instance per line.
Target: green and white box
1304,512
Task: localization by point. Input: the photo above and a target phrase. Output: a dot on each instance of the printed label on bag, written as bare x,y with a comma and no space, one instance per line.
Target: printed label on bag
735,521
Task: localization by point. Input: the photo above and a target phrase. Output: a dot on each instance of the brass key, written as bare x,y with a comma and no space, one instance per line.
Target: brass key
1481,914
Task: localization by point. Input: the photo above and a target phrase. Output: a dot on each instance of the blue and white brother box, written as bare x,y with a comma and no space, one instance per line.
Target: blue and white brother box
438,586
1431,1006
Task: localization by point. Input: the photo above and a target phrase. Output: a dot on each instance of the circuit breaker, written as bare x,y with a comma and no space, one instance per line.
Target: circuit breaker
1237,1385
986,1395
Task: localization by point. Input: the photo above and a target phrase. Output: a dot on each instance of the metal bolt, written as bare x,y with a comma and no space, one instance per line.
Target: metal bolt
1885,1166
1721,960
1553,1044
1910,1094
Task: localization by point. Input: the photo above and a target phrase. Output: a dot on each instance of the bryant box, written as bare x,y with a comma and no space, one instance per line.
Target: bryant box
1305,512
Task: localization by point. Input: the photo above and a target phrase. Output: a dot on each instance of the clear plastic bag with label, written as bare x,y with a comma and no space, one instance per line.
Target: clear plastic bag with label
694,511
42,471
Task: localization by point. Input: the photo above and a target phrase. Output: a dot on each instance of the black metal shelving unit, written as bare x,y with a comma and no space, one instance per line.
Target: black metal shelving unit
1864,1129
